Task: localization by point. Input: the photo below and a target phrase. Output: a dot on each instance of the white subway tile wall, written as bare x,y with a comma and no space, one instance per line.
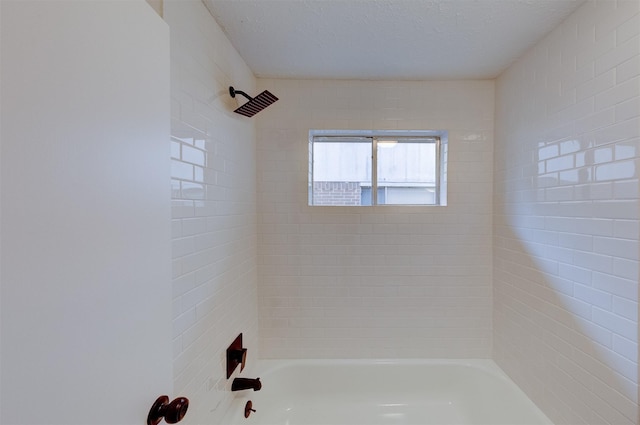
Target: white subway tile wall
566,217
417,281
214,204
375,282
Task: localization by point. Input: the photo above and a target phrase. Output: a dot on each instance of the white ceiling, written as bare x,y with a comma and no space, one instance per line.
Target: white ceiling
386,39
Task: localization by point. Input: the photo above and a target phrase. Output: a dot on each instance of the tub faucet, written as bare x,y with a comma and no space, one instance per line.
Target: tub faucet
240,384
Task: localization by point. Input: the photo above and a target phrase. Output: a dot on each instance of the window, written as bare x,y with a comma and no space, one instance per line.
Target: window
363,168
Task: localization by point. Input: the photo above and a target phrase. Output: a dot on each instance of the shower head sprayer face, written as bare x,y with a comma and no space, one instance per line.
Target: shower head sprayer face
255,104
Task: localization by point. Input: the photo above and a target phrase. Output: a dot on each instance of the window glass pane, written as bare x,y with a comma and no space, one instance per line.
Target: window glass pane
407,171
404,169
340,170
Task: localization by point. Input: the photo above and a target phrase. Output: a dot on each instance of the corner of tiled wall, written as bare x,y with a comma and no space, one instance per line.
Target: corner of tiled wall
567,159
214,210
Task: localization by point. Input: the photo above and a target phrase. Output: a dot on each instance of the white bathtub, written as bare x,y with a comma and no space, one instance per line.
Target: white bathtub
363,392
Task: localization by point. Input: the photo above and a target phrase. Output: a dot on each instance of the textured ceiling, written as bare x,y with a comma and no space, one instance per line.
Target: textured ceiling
385,39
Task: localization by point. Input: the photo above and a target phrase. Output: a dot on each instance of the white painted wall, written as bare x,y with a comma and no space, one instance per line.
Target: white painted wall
214,210
566,217
353,282
85,283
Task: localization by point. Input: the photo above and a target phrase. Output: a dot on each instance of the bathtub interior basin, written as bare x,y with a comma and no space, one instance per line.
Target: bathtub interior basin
416,392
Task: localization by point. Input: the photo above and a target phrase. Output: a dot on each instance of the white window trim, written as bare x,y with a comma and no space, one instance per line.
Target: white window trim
442,157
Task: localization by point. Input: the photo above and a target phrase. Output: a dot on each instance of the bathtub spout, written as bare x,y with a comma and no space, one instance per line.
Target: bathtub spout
240,384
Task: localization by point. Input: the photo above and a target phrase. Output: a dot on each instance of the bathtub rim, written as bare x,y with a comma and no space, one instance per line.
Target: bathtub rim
266,367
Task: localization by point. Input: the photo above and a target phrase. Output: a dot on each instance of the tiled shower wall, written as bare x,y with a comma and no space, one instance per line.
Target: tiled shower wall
566,217
375,282
214,219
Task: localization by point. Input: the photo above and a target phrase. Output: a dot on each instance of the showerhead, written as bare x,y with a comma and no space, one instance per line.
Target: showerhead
255,104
